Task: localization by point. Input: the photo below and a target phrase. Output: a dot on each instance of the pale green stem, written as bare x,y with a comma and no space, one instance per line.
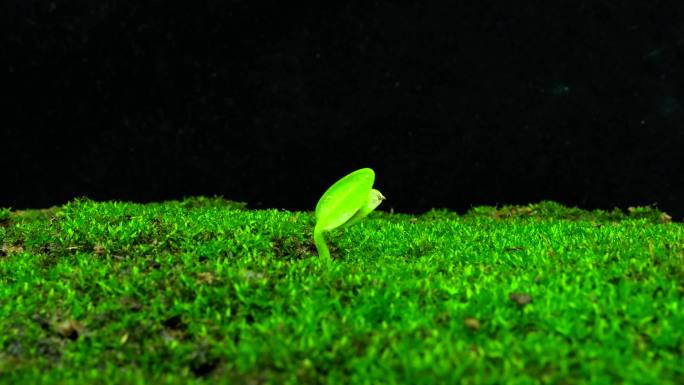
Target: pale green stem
322,248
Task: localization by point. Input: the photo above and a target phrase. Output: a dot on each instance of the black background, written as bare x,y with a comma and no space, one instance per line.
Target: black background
476,102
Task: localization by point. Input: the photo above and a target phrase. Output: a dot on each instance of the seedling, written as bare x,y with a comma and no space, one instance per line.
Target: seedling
345,203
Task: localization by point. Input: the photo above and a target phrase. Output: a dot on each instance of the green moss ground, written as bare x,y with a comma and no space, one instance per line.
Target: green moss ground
206,291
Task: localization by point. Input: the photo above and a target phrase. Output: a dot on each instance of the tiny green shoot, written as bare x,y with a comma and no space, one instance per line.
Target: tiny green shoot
345,203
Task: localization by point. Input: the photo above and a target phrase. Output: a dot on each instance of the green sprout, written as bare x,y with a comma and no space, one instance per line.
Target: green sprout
345,203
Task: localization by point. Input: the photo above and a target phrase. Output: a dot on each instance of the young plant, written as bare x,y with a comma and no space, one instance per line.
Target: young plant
345,203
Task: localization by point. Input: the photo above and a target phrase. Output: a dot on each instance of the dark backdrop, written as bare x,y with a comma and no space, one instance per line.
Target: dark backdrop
266,102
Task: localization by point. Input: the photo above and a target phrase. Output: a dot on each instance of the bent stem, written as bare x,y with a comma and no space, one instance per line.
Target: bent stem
322,248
